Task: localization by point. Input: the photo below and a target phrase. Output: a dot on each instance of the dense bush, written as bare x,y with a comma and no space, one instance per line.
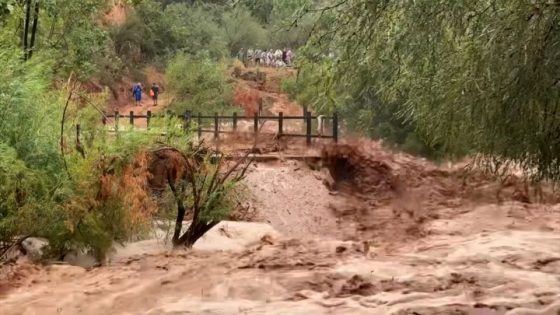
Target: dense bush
475,76
195,30
49,189
87,193
198,84
243,31
362,111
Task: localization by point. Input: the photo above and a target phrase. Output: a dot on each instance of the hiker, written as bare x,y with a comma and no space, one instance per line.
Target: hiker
278,54
154,93
320,125
242,56
137,93
289,57
270,56
267,59
263,57
285,55
257,56
250,55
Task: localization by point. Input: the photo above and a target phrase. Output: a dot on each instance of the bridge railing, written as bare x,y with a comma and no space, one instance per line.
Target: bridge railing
215,123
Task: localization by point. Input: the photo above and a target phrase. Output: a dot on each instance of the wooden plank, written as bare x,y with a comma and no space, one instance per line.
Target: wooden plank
273,157
199,122
280,123
308,129
256,124
216,126
295,135
335,127
187,120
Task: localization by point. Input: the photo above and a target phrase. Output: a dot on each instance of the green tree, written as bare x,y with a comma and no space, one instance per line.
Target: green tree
243,31
477,76
205,188
198,84
49,189
196,30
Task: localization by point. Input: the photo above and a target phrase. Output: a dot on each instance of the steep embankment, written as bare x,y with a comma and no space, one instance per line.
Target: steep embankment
262,85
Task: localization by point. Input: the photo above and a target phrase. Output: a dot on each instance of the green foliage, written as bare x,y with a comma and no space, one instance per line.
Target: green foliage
155,31
133,41
69,33
179,27
163,28
216,203
7,7
476,76
362,111
25,102
32,185
261,10
243,31
196,30
198,84
50,190
275,11
24,194
88,42
290,23
87,192
206,189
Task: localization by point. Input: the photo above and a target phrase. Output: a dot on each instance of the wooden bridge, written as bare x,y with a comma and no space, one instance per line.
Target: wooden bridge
223,124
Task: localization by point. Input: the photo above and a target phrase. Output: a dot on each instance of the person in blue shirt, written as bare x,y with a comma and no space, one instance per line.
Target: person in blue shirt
137,93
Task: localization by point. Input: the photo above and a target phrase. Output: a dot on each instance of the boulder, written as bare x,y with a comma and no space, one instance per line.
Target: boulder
81,259
34,247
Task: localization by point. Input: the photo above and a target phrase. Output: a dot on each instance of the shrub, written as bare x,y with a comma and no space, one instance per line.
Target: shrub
49,189
205,187
198,84
195,30
242,30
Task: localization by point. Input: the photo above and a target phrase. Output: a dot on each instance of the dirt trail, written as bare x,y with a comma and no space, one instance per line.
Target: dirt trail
261,86
124,103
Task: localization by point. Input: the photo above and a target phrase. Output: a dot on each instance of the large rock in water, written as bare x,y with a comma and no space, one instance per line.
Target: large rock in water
235,236
81,259
34,247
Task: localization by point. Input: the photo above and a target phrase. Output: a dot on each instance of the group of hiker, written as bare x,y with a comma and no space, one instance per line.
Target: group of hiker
271,58
137,90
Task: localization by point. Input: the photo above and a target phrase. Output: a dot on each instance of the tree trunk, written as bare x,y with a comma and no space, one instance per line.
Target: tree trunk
34,29
180,211
195,231
26,28
179,222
